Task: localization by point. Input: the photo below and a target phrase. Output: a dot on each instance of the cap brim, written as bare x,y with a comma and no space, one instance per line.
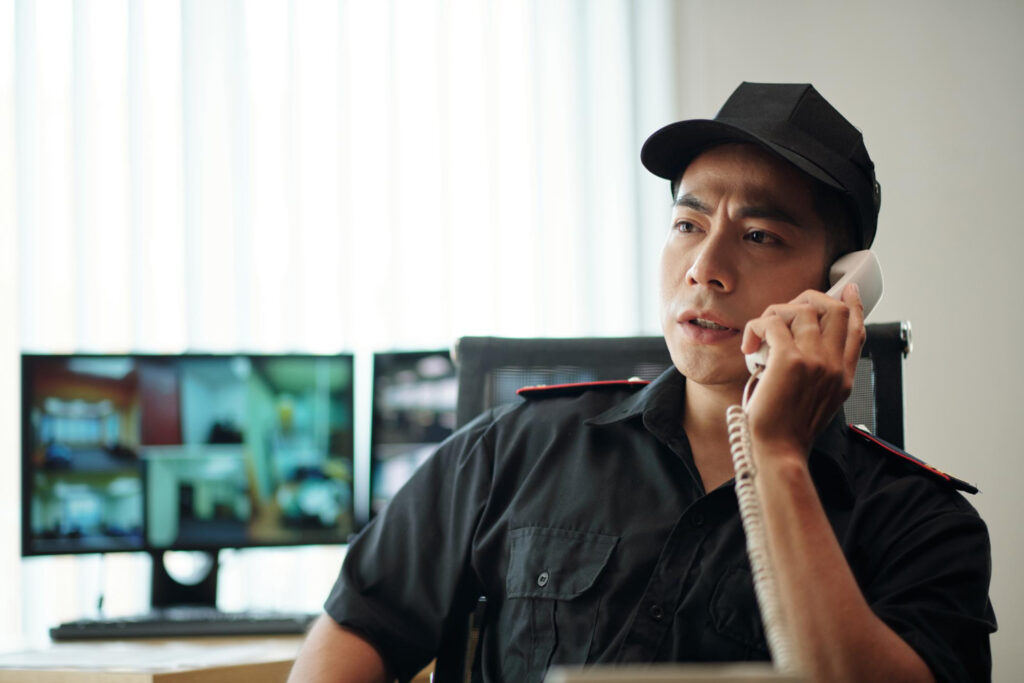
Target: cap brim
669,150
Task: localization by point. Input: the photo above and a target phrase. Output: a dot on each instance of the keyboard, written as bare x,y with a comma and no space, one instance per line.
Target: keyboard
177,622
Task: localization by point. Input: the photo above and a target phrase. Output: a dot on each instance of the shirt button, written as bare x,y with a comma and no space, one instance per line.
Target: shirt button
656,612
542,579
697,521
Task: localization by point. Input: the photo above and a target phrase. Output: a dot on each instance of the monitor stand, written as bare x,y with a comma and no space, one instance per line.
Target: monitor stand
169,590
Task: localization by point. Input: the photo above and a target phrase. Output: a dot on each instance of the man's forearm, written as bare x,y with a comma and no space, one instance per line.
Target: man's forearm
836,635
332,654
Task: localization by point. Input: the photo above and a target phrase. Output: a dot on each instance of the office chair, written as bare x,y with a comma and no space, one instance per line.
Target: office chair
491,369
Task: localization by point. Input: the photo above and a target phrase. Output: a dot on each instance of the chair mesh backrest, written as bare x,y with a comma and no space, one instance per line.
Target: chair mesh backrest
860,406
492,369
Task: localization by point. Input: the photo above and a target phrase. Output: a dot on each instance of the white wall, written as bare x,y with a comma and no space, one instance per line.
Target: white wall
935,87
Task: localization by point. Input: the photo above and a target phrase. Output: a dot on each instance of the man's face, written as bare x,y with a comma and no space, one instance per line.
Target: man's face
744,235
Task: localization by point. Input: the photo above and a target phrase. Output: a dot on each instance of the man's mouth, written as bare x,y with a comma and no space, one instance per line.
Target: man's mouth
708,324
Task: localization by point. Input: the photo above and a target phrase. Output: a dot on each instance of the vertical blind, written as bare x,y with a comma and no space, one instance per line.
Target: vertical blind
324,175
321,175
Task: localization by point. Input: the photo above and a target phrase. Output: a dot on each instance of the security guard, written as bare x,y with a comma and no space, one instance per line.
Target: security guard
600,522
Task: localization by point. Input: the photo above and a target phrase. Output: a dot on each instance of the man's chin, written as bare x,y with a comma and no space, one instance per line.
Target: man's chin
719,380
712,372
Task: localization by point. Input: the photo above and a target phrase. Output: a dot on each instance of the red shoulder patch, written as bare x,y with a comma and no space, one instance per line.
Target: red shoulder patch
551,390
907,457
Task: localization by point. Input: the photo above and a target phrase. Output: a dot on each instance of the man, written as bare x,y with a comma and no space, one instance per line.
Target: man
600,522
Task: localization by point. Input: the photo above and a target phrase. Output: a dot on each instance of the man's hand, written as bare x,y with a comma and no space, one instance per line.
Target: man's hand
815,344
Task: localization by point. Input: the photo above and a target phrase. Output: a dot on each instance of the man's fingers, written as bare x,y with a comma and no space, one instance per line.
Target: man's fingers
835,325
779,335
773,329
802,319
855,332
807,327
754,334
816,322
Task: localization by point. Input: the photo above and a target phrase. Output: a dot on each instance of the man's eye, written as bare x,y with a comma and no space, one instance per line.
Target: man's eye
684,226
761,237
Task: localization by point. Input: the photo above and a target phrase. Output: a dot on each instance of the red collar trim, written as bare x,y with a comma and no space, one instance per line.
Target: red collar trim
541,389
888,447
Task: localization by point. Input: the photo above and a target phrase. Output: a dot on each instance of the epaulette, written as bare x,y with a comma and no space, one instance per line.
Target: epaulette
552,390
892,450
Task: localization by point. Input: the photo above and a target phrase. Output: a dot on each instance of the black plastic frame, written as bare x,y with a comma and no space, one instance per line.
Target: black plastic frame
145,546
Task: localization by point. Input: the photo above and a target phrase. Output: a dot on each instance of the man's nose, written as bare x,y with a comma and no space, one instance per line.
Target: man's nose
711,266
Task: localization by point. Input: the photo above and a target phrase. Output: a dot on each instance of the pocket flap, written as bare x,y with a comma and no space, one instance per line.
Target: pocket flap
734,609
555,563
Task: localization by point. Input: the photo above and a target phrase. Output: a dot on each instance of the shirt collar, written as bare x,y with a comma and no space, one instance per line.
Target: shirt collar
661,395
661,405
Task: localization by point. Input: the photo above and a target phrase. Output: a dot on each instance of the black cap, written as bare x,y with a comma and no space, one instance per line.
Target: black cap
795,122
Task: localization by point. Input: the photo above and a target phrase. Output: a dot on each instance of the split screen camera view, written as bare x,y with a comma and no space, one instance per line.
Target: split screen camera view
186,452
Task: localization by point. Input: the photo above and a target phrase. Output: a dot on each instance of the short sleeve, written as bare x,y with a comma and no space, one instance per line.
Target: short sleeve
408,574
932,590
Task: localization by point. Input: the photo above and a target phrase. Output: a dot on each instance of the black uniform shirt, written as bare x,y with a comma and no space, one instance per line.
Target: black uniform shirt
583,520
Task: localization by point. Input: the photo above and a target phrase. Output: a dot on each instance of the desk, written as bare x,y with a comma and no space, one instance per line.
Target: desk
184,660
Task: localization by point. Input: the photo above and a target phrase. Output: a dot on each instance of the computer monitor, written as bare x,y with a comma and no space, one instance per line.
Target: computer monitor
413,411
186,452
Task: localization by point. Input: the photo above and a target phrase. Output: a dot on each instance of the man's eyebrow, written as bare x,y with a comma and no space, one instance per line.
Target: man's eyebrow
766,210
769,212
691,202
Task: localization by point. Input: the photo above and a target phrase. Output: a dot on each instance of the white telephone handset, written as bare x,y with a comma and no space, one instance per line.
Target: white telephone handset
858,266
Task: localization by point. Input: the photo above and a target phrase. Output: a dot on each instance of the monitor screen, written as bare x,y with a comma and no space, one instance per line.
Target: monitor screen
413,411
138,452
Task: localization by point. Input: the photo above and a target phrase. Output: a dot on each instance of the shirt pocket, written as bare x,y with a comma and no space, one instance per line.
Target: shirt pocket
735,615
550,607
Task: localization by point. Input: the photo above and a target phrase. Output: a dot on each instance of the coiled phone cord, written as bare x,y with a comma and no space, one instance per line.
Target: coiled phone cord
766,589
